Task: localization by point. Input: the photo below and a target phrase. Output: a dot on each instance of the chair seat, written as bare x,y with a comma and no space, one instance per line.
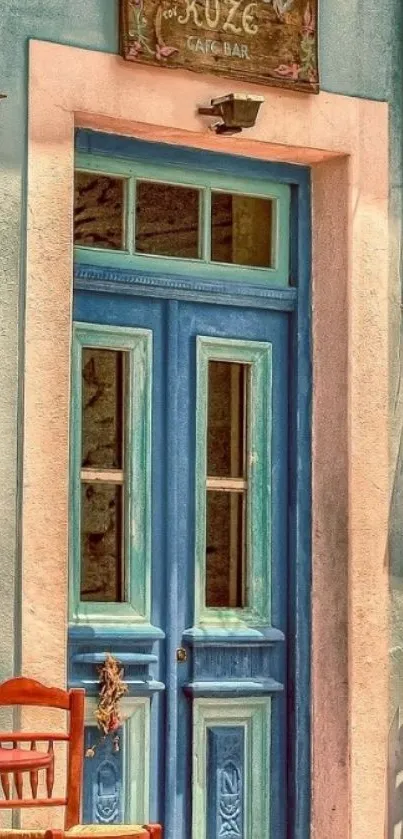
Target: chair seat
15,833
116,831
23,760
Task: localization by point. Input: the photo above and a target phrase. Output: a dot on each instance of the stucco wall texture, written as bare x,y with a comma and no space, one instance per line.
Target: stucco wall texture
360,55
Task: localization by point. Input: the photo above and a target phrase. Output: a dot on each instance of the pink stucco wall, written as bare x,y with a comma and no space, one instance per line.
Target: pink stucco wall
345,142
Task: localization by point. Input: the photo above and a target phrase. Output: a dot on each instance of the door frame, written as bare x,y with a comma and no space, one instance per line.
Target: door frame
350,244
295,299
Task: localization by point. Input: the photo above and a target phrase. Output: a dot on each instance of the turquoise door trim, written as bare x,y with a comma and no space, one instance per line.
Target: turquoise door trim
137,344
258,357
131,171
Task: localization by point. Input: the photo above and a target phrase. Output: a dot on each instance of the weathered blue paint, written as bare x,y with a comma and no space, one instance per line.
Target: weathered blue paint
214,672
84,665
299,593
255,663
263,635
233,688
103,773
126,148
175,774
137,283
238,673
137,647
237,662
116,780
226,782
123,635
146,638
125,658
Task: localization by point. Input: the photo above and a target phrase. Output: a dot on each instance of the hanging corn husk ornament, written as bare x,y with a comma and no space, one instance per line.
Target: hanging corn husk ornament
111,689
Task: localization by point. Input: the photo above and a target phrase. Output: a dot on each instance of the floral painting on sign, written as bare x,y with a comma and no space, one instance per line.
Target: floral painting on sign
265,41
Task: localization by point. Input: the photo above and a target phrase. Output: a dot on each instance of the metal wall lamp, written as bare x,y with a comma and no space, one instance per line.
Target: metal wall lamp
237,111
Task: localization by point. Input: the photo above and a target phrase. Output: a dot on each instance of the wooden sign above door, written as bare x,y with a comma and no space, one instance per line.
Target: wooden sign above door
271,42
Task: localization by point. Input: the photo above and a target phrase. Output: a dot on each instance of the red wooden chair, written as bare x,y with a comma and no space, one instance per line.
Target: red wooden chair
17,761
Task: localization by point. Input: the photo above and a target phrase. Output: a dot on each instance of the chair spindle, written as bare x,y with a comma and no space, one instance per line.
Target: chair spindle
5,785
33,776
50,772
17,777
18,785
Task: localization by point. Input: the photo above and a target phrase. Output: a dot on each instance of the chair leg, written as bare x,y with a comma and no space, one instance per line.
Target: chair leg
154,830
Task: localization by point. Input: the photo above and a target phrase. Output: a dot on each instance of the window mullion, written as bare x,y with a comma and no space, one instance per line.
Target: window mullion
130,215
226,484
206,225
106,476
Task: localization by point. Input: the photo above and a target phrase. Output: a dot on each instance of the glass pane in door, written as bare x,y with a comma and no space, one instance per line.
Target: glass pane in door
226,483
242,229
225,549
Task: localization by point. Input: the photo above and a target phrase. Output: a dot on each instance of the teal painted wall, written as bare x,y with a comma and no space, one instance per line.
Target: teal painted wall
361,53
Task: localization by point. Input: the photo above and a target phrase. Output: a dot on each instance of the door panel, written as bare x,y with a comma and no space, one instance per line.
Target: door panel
230,664
218,729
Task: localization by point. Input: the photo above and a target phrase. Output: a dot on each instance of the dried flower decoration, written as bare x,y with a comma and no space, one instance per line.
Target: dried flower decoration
111,689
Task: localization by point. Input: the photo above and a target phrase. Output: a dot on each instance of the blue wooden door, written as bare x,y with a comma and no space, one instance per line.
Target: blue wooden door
208,652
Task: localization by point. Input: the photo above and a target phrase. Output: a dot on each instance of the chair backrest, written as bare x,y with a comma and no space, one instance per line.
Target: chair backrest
27,692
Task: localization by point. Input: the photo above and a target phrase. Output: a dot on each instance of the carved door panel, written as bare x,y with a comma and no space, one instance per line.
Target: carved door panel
102,783
204,643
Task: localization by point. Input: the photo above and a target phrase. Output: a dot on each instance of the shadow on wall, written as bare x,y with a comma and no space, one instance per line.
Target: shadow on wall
395,558
395,746
395,778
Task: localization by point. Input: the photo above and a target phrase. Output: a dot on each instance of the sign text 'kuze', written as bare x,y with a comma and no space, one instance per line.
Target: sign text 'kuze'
263,41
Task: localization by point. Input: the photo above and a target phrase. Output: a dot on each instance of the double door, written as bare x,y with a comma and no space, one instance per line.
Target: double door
196,604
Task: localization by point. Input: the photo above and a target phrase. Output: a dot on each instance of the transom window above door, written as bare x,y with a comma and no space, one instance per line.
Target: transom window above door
139,216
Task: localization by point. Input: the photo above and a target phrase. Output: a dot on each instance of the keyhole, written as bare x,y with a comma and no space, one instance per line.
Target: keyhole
181,654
